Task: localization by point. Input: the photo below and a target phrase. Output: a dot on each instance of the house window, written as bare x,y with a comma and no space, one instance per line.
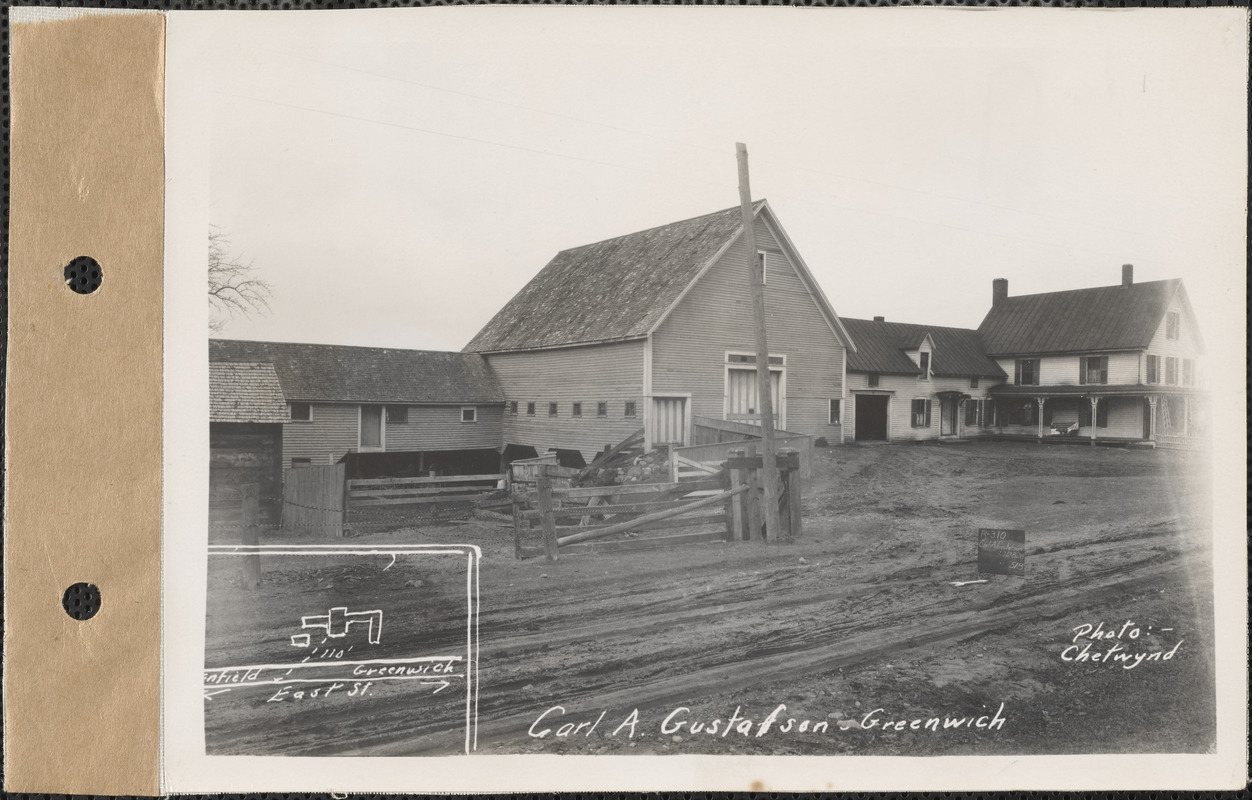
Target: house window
1171,370
973,382
1153,369
630,408
834,411
530,409
1026,372
1093,369
971,412
1188,372
301,463
577,410
397,415
551,409
921,413
301,412
469,414
871,380
1171,325
925,365
513,407
602,409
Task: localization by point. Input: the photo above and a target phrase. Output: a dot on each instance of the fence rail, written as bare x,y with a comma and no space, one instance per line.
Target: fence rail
717,453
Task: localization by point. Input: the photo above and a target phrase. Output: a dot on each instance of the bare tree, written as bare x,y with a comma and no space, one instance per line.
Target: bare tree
233,287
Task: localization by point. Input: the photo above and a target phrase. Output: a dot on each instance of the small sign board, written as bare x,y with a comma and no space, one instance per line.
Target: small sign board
1001,552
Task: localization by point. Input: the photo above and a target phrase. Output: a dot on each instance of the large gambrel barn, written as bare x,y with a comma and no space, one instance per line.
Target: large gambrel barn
654,329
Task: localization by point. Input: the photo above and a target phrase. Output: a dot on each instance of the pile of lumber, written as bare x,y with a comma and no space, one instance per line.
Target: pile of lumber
605,467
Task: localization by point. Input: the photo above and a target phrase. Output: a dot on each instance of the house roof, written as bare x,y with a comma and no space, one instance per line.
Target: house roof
245,391
881,347
338,373
618,289
1079,320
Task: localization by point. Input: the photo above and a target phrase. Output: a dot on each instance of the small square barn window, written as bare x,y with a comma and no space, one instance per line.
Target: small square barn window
630,408
551,409
301,412
871,380
397,415
530,409
469,414
602,409
577,409
513,407
834,411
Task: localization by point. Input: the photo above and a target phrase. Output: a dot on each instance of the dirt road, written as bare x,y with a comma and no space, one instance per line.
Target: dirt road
856,625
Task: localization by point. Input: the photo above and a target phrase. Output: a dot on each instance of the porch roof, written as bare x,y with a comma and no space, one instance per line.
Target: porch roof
1087,390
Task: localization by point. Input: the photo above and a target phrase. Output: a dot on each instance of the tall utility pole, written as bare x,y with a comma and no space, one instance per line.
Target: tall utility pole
764,386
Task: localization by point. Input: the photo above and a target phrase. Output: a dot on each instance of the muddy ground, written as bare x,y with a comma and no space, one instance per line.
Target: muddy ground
856,625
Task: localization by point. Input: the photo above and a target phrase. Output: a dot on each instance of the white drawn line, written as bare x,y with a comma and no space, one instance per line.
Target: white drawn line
442,684
357,678
330,552
392,564
209,695
401,548
338,663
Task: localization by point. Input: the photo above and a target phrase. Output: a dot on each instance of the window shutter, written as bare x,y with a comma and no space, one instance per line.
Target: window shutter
1102,414
1084,413
1082,370
1017,372
927,413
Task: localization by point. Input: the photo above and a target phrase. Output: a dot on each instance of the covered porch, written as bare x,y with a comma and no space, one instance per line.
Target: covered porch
1136,414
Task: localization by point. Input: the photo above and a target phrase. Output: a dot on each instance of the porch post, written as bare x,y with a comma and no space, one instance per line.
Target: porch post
1152,418
1095,403
1040,401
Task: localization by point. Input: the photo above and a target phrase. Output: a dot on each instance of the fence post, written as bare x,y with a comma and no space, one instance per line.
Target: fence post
545,511
250,575
794,481
736,502
727,485
517,529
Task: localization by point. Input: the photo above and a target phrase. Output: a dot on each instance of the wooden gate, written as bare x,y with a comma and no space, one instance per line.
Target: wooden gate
313,500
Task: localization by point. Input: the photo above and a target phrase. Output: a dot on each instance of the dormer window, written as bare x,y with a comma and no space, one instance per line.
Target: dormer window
924,358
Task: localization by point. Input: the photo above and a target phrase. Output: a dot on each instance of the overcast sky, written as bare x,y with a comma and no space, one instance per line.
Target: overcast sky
397,176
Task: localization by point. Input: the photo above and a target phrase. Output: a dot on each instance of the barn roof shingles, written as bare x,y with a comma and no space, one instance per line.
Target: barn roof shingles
245,391
613,290
881,346
1106,318
340,373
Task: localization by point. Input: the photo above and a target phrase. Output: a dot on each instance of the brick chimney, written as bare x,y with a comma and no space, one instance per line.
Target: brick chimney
880,319
999,290
1128,274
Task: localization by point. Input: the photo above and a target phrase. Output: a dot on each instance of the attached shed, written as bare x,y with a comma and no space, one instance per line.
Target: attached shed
247,411
377,402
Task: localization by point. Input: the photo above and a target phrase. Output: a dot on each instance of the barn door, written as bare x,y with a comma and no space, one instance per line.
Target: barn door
371,428
668,421
741,402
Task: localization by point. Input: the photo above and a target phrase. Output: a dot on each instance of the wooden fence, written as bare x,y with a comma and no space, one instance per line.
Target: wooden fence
724,505
714,454
399,502
313,500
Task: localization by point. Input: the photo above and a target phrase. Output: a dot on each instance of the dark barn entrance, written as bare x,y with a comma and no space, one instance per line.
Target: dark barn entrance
871,418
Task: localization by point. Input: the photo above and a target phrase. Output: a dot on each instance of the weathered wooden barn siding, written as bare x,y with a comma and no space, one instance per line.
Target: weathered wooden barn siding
903,390
241,454
689,348
1064,370
440,428
609,373
330,433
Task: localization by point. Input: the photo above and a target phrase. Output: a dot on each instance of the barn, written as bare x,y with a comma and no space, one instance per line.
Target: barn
653,331
247,412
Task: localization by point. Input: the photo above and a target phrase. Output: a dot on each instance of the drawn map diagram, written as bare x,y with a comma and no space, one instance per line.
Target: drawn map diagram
339,646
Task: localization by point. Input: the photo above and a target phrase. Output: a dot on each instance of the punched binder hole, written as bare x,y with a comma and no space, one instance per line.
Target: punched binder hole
83,275
81,601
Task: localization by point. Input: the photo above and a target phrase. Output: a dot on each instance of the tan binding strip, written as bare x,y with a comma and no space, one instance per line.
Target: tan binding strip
83,496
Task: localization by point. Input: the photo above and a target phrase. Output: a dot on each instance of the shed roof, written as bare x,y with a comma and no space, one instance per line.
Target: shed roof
615,290
1105,318
340,373
881,347
245,391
